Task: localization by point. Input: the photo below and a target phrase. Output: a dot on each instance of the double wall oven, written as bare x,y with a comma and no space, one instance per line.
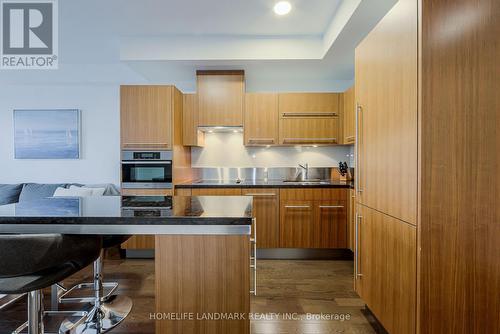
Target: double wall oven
146,169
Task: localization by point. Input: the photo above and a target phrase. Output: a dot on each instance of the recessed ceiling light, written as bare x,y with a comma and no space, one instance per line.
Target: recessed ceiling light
282,8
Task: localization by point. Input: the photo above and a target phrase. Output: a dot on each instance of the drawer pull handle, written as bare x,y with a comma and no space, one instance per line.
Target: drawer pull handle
310,140
297,206
357,271
309,114
260,194
331,206
261,140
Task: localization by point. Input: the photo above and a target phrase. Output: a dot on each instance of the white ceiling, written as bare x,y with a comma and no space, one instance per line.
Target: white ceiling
165,41
223,17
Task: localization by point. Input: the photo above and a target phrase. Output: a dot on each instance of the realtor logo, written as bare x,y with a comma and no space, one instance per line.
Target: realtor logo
29,34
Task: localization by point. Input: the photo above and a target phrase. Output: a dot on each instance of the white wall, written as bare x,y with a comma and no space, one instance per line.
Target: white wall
100,140
227,150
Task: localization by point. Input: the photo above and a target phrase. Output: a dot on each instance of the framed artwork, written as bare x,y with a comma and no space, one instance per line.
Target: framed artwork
47,134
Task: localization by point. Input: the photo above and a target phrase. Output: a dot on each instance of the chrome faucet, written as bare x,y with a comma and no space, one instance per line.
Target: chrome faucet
305,167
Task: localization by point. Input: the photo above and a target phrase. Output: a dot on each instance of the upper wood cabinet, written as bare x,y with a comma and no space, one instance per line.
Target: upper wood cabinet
386,92
309,118
191,136
261,119
220,98
146,117
349,116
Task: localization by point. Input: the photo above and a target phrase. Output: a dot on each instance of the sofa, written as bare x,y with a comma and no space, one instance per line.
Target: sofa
21,192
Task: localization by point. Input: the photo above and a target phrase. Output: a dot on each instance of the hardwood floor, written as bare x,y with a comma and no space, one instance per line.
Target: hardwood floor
285,287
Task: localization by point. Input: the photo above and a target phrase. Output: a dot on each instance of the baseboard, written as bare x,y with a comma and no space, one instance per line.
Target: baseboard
372,319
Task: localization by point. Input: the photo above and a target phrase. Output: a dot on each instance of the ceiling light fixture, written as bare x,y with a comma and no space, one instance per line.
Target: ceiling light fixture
282,8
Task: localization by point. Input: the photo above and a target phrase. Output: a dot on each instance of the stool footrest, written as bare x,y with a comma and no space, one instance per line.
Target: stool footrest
65,297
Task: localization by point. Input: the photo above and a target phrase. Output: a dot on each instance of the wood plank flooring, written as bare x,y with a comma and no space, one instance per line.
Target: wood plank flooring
285,288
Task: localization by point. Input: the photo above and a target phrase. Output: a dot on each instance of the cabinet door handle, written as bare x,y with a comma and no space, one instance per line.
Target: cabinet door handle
359,120
309,140
309,114
297,206
142,162
253,266
142,145
357,271
331,206
260,194
350,138
261,140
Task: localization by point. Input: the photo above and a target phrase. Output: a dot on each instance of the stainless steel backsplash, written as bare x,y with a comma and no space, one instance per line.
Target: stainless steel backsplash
275,173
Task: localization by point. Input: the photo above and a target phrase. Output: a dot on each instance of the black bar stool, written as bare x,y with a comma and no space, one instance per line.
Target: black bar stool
30,263
108,309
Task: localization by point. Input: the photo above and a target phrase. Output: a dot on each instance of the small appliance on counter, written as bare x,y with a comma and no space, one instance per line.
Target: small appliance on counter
146,169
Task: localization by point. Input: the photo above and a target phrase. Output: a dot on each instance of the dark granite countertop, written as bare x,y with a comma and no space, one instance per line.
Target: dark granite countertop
265,184
105,215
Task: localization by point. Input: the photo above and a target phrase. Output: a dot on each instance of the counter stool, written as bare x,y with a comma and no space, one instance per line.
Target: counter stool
108,310
30,263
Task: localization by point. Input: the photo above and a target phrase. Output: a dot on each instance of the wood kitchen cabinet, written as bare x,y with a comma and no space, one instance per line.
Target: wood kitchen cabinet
313,218
349,116
386,92
191,136
387,269
146,117
261,119
297,224
266,211
216,192
220,98
330,224
151,119
309,118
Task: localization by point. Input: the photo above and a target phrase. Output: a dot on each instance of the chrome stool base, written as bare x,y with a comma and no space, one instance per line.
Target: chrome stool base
108,315
37,315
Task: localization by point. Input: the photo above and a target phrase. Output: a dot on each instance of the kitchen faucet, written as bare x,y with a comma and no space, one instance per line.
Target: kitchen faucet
306,170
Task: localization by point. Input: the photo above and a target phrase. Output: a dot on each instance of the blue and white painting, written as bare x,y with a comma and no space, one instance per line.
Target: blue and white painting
47,134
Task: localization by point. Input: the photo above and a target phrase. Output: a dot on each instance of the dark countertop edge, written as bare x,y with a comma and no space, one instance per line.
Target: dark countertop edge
246,185
157,221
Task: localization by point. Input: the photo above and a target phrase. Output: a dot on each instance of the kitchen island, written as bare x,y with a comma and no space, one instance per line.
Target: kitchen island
202,256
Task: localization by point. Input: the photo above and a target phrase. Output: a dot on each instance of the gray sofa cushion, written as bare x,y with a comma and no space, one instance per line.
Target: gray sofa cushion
34,191
9,193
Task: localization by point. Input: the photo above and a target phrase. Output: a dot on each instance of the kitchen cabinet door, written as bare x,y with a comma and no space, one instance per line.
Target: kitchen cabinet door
216,191
386,92
261,119
330,226
349,128
386,269
266,211
309,118
297,224
309,130
191,136
146,117
220,98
